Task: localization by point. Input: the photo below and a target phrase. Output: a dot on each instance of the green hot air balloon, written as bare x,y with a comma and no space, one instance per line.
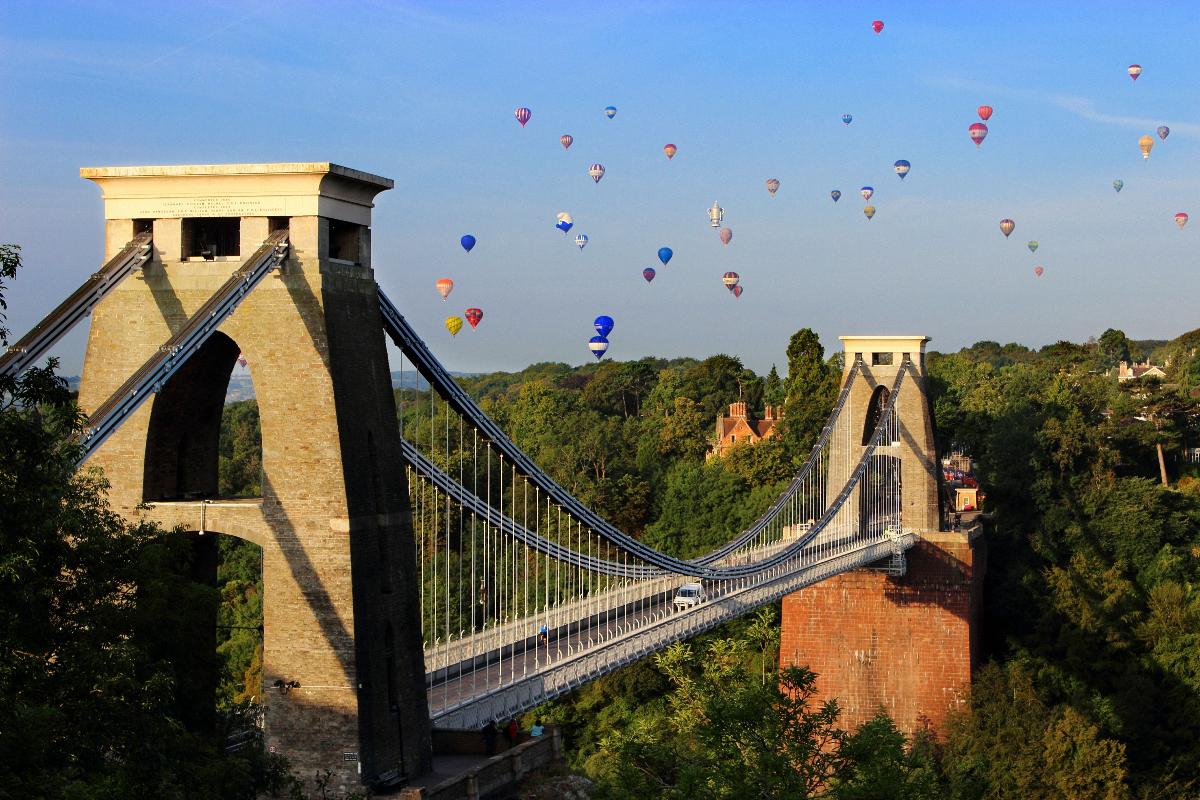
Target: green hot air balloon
1033,246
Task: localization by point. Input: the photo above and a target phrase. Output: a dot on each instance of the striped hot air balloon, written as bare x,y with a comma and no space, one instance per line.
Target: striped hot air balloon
730,279
473,315
1007,226
596,171
566,140
444,287
599,346
522,114
978,132
1134,71
581,241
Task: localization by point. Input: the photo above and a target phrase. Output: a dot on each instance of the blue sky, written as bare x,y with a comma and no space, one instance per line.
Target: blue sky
424,93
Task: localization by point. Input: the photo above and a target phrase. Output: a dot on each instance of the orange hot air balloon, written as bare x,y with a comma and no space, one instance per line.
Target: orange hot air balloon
1181,219
1134,70
1038,271
670,150
1147,144
473,315
985,112
444,287
1007,226
726,235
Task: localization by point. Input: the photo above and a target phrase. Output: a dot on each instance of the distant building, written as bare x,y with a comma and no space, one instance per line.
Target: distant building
739,427
1125,372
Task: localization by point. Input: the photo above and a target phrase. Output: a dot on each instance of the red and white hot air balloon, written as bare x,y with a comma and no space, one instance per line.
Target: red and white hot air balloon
566,140
985,112
444,287
978,132
1134,71
522,114
596,171
670,150
1181,219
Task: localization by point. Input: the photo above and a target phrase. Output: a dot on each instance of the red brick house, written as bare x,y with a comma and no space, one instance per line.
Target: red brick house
739,427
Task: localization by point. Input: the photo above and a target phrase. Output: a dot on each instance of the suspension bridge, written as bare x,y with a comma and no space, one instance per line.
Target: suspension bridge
420,569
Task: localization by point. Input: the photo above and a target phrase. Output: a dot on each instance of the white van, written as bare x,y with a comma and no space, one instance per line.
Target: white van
688,595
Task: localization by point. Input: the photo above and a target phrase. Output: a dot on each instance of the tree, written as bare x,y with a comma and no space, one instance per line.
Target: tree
879,765
773,391
811,390
1113,347
1157,415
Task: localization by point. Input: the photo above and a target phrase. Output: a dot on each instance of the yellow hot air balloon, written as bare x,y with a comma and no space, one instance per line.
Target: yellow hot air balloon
1147,144
454,325
869,211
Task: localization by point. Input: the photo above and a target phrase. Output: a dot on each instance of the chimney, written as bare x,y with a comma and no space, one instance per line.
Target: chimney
768,412
737,410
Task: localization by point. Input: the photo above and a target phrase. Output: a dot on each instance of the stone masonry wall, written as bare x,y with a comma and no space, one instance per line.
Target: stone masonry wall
904,644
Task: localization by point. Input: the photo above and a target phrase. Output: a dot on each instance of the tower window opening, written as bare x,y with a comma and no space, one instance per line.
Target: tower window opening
881,359
278,224
210,238
345,241
143,226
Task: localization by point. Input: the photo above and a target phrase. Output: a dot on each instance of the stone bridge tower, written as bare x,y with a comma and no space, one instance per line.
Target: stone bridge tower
343,667
905,643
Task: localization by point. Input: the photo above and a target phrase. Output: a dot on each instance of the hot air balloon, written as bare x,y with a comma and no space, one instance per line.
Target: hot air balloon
1163,132
877,25
581,241
984,112
902,167
454,325
1134,71
836,195
444,287
664,255
596,171
1181,219
978,132
598,345
715,215
566,140
1038,271
648,273
467,242
603,324
523,114
473,315
772,186
730,279
1033,246
670,150
866,192
1147,144
242,361
610,111
1118,184
565,222
726,235
847,119
869,211
737,290
1007,226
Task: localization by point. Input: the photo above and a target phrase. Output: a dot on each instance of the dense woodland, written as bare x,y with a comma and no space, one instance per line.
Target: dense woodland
1091,681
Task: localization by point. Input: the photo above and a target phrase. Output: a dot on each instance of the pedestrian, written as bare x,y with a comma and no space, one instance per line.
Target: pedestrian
489,737
511,732
537,730
543,635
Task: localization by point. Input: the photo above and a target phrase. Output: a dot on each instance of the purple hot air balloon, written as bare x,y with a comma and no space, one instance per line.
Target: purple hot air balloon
522,114
648,273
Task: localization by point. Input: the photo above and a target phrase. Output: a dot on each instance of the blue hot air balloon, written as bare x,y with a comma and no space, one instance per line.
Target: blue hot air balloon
564,222
603,324
1118,184
902,167
467,242
599,346
836,195
847,118
581,240
664,255
610,111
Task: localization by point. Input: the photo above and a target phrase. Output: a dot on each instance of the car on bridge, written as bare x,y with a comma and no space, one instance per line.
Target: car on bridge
689,595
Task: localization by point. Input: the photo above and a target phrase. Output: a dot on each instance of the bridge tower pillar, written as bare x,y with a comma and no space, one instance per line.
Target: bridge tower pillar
907,642
344,673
